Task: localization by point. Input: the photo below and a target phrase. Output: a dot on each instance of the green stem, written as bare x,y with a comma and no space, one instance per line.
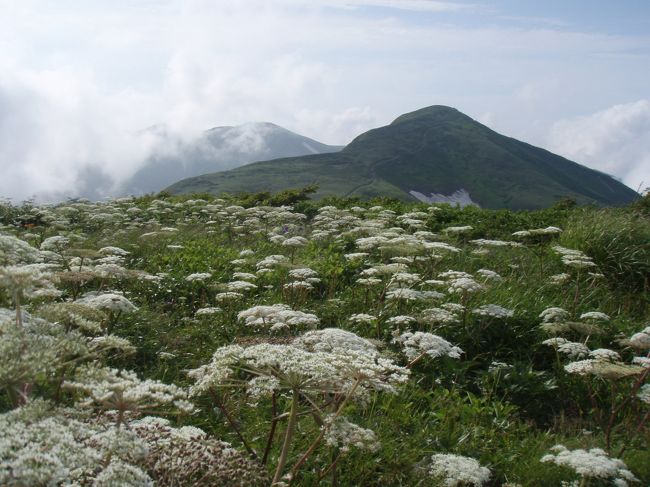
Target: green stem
288,436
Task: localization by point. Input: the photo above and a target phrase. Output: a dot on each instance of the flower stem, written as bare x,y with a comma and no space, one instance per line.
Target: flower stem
288,436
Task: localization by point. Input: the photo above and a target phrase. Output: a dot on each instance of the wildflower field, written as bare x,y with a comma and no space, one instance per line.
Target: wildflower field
204,342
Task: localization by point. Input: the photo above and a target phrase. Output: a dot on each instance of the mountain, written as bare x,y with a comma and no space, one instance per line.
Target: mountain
217,149
436,153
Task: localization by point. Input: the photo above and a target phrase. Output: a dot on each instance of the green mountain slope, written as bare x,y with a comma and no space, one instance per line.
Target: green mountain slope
433,150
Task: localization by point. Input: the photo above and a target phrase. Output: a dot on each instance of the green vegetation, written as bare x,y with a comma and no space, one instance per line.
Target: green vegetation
492,335
432,150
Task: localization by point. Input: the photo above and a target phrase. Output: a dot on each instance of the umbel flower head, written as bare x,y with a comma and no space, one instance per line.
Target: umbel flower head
594,463
450,470
416,344
278,317
121,390
304,365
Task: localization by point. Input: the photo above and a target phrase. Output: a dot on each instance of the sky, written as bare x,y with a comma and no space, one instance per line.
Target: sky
81,79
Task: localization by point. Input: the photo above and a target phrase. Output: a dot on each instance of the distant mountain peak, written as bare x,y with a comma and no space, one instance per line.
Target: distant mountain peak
431,151
218,148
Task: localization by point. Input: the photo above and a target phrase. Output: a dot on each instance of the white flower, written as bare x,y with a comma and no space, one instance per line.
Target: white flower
641,340
554,315
644,393
228,296
642,361
573,350
438,316
297,368
488,274
113,251
244,276
401,320
493,311
333,339
595,316
458,230
240,286
559,278
362,318
592,463
207,311
464,285
295,242
278,317
456,470
605,354
56,243
356,256
418,343
112,302
122,390
302,273
199,276
345,435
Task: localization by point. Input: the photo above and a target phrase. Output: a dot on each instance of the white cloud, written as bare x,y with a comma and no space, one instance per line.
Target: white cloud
615,140
78,79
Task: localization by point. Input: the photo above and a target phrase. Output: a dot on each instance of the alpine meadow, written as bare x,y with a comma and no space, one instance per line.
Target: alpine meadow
241,341
324,243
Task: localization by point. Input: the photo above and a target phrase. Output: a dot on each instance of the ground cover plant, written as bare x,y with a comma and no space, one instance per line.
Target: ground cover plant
242,341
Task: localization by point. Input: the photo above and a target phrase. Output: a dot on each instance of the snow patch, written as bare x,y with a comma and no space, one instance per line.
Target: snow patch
459,197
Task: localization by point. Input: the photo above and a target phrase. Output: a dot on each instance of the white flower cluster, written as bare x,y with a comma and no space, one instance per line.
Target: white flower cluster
591,464
27,280
458,230
603,367
268,263
493,311
644,393
198,276
111,302
41,446
554,315
456,471
482,242
595,316
574,258
333,339
209,311
464,285
56,243
239,286
641,340
362,319
299,368
295,242
440,316
489,274
345,435
278,317
416,344
559,279
16,251
122,390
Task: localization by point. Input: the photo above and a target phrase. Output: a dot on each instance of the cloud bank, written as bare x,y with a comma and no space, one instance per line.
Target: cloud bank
79,81
615,141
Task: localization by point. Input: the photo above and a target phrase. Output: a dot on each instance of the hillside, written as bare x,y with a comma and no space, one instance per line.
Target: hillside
217,149
435,150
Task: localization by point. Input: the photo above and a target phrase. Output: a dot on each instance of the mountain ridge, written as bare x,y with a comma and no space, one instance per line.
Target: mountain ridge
218,148
434,150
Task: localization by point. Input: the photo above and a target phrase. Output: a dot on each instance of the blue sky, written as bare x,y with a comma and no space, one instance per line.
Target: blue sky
79,78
